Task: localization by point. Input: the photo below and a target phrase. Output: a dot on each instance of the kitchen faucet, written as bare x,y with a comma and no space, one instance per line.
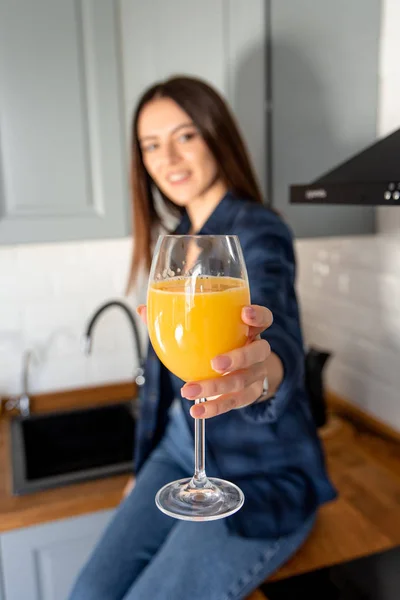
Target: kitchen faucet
23,403
139,373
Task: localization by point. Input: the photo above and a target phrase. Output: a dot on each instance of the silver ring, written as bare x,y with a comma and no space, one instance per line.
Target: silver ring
261,398
265,391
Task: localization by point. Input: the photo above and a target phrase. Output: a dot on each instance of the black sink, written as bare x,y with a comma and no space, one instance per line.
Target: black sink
56,449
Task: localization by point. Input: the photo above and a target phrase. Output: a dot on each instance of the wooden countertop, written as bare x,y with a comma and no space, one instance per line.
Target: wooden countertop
363,461
364,465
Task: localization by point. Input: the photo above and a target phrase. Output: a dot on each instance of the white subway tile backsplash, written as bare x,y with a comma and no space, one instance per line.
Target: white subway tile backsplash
59,373
347,383
363,354
349,292
42,318
12,344
116,367
390,324
10,372
48,293
363,253
378,398
11,314
377,290
389,220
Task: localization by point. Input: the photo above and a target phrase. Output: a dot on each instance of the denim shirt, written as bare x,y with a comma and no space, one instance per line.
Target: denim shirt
271,449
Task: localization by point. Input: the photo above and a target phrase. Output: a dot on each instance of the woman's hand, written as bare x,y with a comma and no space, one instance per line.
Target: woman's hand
244,370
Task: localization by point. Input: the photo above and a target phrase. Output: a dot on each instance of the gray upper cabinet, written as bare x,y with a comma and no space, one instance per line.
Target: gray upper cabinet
324,83
63,172
222,41
247,76
72,71
70,74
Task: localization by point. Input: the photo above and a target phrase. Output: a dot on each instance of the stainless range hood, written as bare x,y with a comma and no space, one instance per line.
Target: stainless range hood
371,177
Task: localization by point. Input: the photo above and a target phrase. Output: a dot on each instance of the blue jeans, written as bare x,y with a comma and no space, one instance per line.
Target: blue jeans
145,554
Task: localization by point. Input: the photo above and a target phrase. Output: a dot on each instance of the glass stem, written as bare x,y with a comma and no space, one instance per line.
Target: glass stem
199,478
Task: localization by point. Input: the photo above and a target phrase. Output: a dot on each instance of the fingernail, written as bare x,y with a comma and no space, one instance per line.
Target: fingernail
191,390
221,363
249,312
197,410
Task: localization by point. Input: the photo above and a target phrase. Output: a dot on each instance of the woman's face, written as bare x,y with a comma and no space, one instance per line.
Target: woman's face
174,153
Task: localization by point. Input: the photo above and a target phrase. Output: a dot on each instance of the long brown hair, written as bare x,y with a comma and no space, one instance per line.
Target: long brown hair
212,117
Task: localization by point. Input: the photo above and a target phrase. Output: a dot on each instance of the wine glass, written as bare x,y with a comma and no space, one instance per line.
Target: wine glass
198,286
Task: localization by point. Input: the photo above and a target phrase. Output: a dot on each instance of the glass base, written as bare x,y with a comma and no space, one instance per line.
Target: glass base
216,499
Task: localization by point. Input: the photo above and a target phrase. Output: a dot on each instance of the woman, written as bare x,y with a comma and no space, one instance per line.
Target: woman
186,149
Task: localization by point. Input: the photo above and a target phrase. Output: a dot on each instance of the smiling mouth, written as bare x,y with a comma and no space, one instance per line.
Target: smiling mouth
177,178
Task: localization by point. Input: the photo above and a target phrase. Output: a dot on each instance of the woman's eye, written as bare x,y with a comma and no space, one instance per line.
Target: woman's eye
149,148
186,137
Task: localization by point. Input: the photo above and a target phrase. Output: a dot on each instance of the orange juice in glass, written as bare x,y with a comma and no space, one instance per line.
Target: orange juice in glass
193,320
197,288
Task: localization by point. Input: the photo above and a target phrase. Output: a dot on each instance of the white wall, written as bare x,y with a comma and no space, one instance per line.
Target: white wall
47,294
350,287
389,113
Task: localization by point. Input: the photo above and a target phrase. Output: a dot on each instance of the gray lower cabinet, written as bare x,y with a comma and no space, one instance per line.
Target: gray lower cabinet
42,562
2,597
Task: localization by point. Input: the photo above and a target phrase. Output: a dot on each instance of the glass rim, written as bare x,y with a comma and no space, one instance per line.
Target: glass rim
197,235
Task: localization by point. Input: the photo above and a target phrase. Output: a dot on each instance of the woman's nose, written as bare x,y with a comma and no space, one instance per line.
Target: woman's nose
170,154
